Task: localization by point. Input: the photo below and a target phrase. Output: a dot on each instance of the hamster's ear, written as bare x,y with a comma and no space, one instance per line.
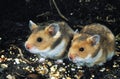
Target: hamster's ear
95,39
52,29
32,25
76,35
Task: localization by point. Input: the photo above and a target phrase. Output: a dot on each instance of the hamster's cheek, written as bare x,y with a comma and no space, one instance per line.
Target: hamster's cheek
83,61
35,50
78,61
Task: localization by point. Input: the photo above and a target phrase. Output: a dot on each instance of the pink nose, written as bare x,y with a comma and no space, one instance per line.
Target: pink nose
71,57
28,46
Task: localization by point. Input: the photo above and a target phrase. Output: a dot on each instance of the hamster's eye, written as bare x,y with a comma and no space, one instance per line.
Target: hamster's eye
81,49
39,39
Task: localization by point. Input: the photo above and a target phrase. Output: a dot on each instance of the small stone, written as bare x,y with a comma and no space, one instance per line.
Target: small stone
49,63
115,76
10,77
42,70
68,78
4,65
17,61
2,56
107,70
0,38
102,70
61,69
93,76
53,78
114,66
71,13
79,74
63,78
29,68
56,75
72,69
54,68
9,59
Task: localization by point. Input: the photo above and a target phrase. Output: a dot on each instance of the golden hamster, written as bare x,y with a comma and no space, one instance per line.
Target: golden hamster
94,45
49,40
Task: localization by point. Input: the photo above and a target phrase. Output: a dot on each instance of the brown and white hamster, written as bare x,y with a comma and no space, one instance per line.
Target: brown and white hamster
49,40
94,45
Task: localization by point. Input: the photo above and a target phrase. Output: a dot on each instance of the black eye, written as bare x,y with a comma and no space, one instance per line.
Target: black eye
81,49
39,39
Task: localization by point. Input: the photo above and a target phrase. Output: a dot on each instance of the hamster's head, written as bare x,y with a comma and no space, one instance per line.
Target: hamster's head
83,48
42,38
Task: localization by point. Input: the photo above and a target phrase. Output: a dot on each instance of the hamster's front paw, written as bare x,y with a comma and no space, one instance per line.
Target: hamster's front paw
41,60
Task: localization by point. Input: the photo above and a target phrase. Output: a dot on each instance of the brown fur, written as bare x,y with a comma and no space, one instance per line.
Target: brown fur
48,40
45,32
107,43
77,43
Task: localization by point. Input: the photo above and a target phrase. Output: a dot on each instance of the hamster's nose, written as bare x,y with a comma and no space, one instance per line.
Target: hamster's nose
71,57
28,46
